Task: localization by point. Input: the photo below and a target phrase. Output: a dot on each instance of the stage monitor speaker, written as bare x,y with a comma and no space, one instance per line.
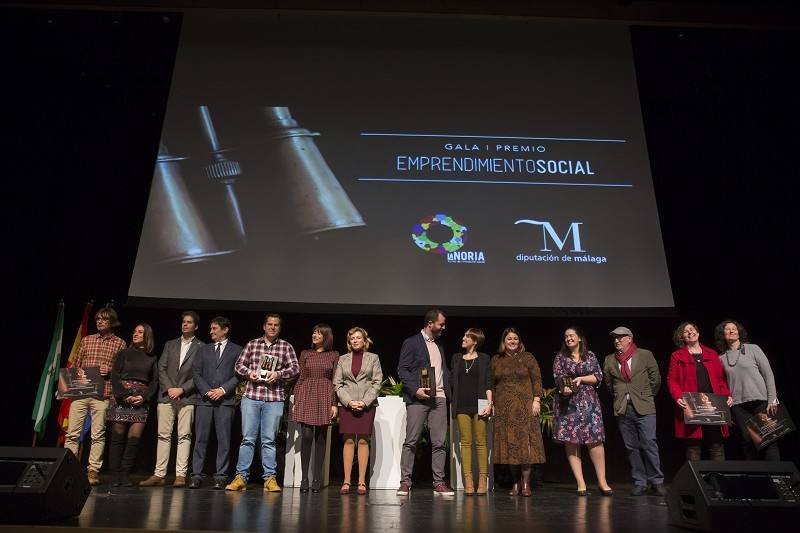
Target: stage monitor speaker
735,496
40,484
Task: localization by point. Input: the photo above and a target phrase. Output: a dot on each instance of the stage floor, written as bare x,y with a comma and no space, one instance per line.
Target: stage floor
553,508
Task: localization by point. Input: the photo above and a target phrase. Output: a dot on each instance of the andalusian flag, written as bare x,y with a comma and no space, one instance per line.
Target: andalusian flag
63,412
41,407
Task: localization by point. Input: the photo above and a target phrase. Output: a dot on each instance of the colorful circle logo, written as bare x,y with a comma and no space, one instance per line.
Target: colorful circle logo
420,234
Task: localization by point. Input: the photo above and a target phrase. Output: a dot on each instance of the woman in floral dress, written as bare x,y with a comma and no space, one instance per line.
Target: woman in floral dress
577,417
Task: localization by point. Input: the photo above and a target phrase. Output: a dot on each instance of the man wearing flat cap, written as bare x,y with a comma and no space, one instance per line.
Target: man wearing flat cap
632,376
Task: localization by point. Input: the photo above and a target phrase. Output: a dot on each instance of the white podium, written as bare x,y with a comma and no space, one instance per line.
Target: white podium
293,471
387,443
456,479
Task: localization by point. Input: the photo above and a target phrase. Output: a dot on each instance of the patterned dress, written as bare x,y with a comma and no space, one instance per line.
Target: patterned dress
578,418
517,433
313,392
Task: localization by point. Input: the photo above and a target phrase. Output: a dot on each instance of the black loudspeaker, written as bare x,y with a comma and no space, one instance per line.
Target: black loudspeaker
735,496
40,484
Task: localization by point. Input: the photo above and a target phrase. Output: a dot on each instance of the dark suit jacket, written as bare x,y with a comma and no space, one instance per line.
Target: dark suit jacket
171,375
210,373
413,356
485,377
643,386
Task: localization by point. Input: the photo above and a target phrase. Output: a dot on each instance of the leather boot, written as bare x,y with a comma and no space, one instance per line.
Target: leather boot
483,484
115,457
469,484
128,460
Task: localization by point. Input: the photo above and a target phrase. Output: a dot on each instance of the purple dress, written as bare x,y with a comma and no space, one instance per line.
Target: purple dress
578,418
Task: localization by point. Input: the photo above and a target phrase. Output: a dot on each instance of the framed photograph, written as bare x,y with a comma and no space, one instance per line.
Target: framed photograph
76,383
764,429
707,409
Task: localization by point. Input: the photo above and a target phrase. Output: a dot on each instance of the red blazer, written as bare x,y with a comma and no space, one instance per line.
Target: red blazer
682,377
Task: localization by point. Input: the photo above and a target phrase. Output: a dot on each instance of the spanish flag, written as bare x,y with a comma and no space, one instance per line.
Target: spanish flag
63,412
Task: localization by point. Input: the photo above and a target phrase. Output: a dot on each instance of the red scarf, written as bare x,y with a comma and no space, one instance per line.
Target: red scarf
623,359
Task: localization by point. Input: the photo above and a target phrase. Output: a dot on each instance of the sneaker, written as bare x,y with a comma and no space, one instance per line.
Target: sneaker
238,483
94,477
153,481
271,485
403,490
639,490
658,489
443,490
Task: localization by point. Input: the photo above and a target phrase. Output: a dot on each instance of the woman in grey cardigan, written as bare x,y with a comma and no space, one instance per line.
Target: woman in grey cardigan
751,381
357,381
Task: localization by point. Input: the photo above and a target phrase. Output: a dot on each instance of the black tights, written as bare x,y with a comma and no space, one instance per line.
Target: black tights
526,473
312,436
124,445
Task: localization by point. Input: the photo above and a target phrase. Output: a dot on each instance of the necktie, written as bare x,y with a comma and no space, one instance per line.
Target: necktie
217,351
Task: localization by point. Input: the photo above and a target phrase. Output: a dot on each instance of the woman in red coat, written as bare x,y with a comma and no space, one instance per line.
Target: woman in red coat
696,368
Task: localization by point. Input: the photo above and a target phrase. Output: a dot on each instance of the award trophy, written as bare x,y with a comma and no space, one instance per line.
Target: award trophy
268,364
427,379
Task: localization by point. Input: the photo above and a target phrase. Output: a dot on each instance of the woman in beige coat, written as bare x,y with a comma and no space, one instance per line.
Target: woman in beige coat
357,381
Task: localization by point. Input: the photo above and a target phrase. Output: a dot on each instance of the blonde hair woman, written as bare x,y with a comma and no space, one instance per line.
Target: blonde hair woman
357,381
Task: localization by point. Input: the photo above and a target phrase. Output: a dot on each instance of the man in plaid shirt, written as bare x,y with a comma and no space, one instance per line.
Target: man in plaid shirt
96,350
262,403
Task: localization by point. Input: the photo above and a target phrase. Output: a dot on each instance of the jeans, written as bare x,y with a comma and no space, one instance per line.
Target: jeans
266,416
639,435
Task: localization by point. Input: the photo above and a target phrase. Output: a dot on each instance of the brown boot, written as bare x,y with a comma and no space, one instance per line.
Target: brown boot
483,484
93,476
153,481
180,481
469,484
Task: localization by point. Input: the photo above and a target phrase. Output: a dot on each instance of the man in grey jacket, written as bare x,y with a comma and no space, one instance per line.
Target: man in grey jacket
632,376
176,399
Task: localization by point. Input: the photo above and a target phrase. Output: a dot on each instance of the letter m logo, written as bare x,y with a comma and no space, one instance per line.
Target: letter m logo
549,230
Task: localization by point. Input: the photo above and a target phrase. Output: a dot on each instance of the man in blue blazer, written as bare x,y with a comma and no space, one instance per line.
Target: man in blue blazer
425,404
216,381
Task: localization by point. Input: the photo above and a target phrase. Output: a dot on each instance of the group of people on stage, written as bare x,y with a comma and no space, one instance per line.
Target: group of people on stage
194,385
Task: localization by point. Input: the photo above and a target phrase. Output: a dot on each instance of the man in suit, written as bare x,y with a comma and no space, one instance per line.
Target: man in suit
632,376
176,399
216,381
425,404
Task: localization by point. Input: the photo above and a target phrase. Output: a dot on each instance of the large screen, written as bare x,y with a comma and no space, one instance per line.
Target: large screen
403,161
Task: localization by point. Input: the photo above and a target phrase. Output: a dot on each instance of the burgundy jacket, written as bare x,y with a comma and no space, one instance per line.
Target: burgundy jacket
682,377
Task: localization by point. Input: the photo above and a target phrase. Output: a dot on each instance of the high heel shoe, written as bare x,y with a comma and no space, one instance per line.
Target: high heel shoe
583,492
526,490
514,490
604,492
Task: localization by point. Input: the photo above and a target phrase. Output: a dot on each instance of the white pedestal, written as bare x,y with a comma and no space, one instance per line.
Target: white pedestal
293,471
387,443
456,479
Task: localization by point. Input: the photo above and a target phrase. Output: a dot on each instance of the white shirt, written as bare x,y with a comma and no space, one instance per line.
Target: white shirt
185,345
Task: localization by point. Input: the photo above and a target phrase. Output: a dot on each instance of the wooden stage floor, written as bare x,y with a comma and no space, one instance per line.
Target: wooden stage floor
553,508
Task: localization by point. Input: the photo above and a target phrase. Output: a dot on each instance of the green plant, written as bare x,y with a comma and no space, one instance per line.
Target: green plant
546,412
391,387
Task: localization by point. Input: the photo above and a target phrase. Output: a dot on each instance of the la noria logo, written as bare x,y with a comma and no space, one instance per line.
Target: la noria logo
420,234
459,237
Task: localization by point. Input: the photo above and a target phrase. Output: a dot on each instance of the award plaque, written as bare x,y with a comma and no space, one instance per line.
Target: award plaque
427,379
76,383
764,428
566,381
268,364
705,408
